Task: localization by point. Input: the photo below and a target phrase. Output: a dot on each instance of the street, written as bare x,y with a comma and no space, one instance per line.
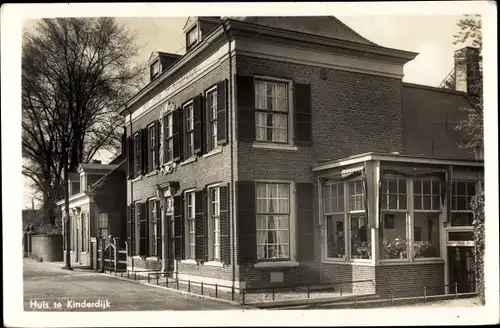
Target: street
47,287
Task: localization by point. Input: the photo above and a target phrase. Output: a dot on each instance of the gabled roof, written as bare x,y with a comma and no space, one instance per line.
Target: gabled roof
327,26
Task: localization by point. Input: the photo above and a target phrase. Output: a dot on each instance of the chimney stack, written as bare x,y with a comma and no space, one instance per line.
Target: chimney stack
467,71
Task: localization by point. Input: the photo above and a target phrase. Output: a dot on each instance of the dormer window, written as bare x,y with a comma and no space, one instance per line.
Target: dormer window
192,37
155,69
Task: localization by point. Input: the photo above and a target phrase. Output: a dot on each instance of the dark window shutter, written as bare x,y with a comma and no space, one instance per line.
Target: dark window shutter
159,231
130,157
303,114
143,230
305,221
137,227
247,222
245,91
225,228
151,220
182,134
176,134
140,161
157,145
179,247
199,226
222,105
198,124
129,230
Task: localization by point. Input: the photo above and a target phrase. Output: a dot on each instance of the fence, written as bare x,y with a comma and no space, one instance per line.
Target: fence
110,257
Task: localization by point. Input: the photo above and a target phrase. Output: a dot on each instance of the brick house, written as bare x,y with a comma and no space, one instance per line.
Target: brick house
97,206
287,150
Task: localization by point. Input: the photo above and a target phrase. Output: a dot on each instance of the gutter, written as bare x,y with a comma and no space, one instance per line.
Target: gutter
230,126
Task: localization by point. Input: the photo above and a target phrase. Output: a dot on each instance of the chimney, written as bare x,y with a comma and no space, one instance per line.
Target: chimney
467,71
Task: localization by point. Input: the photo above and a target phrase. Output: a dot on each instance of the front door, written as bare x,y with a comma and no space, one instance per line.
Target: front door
461,269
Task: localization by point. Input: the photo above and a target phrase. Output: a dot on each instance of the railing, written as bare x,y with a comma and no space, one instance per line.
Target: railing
110,257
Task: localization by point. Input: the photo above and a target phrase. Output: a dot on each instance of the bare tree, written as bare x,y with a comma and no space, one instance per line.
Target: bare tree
75,73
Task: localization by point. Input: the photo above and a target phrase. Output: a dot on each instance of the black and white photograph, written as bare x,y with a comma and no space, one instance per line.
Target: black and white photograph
304,162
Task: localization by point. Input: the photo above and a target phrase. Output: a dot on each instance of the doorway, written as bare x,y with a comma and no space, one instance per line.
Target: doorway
461,269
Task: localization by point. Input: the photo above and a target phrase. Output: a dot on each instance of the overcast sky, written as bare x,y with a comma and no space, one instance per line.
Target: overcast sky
430,36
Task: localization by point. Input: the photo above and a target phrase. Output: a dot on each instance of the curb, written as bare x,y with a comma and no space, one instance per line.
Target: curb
181,292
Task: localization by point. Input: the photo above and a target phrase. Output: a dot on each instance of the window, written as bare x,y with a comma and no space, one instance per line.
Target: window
360,235
153,222
273,220
168,153
214,194
394,194
426,234
461,197
393,242
103,225
427,198
137,161
85,232
356,196
155,69
189,111
271,116
190,221
83,182
427,194
334,217
151,147
73,233
211,99
192,36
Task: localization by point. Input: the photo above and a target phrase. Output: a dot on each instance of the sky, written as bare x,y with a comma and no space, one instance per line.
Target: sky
430,36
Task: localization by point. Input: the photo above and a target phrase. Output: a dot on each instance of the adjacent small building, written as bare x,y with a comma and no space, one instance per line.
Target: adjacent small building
97,206
287,150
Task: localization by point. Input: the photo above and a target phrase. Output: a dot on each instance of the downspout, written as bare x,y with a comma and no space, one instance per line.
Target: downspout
131,187
231,141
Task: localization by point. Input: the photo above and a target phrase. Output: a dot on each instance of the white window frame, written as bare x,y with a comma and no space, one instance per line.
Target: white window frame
344,215
188,218
355,213
155,68
99,227
189,131
453,196
212,240
192,41
153,225
289,112
211,136
168,136
291,260
398,210
152,146
85,232
137,164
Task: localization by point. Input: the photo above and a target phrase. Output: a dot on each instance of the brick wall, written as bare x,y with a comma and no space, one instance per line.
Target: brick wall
410,280
351,276
261,277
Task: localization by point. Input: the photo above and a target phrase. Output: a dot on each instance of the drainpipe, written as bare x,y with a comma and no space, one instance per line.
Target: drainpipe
131,186
230,125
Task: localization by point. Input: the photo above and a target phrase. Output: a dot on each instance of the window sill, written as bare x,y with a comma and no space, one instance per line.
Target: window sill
416,262
189,160
136,178
213,152
277,264
155,172
274,146
352,262
214,264
190,261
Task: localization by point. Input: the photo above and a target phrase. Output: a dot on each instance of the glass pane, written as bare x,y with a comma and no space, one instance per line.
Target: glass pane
283,190
426,187
461,188
402,186
393,201
327,204
283,104
427,202
426,235
384,186
340,205
261,222
384,202
461,203
461,236
360,244
393,186
418,202
402,202
283,206
417,186
471,188
436,187
335,236
393,240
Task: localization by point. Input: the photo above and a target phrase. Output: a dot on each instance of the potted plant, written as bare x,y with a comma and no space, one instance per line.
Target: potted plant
423,248
395,249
